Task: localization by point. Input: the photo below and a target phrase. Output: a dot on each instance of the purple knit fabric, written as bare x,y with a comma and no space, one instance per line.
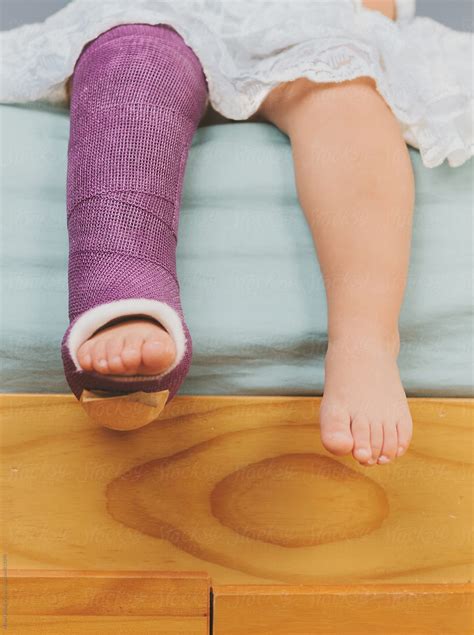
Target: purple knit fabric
137,97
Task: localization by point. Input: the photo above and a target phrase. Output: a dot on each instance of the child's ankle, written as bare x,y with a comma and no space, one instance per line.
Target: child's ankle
365,341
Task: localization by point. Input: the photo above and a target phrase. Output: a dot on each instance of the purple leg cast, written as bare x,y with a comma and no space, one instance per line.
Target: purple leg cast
138,94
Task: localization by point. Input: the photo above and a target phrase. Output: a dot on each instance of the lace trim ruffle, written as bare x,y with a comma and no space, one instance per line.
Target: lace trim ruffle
421,68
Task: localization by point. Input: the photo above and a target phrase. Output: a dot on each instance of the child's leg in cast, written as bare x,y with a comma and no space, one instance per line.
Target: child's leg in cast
138,93
355,184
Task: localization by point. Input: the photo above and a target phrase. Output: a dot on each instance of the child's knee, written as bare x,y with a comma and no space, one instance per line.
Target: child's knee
139,63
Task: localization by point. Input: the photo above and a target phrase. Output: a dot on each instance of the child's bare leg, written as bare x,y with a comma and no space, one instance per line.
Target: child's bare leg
355,184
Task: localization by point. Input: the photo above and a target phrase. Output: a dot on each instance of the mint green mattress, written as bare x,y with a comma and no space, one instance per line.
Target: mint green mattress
251,286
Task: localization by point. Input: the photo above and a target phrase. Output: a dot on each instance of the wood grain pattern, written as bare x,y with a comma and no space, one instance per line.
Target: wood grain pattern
428,609
106,603
86,625
239,487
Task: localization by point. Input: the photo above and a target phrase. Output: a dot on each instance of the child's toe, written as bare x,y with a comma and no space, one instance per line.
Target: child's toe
132,352
84,356
336,432
390,442
158,351
404,430
362,451
99,357
114,348
376,439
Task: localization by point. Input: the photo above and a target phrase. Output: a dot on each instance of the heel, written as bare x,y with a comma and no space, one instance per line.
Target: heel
123,411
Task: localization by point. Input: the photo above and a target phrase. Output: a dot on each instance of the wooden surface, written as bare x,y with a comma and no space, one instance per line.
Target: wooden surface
77,603
238,487
344,610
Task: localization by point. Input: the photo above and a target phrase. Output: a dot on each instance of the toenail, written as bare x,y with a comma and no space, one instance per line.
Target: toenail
401,450
102,363
384,459
363,454
116,360
371,462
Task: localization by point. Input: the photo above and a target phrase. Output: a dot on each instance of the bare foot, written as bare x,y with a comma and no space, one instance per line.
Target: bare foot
134,347
364,408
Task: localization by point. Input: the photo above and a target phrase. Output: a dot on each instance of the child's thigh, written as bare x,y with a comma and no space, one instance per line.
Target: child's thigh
293,102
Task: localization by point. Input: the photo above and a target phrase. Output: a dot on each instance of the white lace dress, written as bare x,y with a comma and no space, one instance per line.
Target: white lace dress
246,47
